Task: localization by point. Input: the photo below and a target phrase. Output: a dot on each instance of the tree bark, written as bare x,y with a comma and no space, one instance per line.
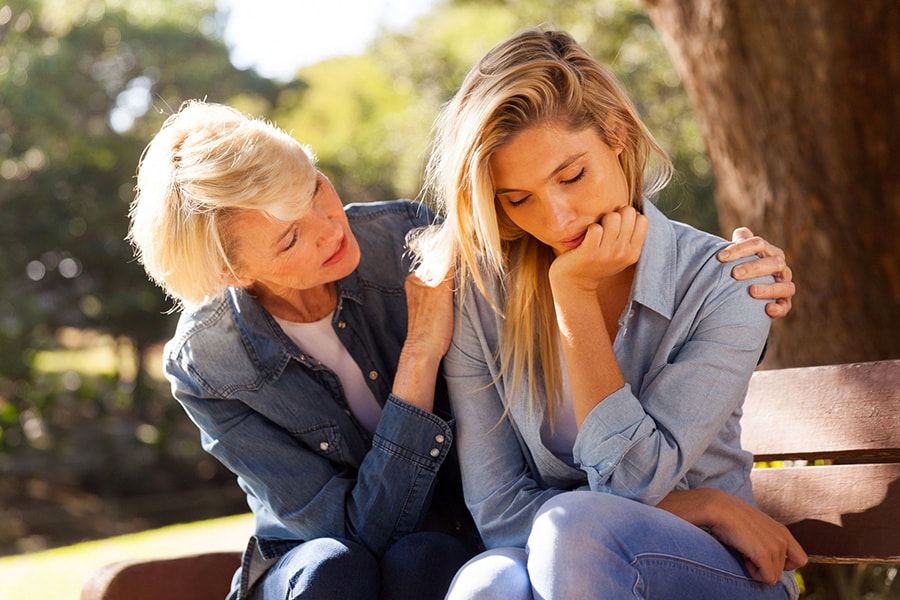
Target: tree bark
799,105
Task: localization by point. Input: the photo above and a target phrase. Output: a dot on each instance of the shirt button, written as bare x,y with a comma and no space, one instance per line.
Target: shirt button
373,375
323,446
435,453
439,438
342,325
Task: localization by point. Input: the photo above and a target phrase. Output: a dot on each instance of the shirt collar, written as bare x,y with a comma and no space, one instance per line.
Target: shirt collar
654,281
349,287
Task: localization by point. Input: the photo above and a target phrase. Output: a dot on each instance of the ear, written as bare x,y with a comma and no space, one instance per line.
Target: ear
233,279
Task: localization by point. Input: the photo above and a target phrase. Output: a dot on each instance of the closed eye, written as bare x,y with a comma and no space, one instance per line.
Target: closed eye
519,202
295,235
574,179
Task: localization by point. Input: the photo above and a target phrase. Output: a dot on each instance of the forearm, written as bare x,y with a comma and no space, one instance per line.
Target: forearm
591,364
416,377
704,507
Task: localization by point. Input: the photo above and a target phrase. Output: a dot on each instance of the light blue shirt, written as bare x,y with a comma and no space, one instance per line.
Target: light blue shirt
689,339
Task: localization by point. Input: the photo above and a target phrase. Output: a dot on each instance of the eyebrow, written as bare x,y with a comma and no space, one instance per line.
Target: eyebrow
565,164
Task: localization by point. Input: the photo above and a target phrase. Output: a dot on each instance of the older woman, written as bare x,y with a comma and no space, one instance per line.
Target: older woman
308,358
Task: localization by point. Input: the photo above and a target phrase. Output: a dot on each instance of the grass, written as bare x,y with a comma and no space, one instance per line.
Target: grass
58,574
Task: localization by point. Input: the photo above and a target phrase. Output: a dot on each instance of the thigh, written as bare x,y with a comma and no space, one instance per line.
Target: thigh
318,570
582,542
420,566
497,574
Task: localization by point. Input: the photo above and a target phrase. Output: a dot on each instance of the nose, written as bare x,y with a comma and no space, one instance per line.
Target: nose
559,212
326,218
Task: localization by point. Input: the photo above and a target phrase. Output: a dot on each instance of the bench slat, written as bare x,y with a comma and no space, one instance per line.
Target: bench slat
858,525
192,577
834,411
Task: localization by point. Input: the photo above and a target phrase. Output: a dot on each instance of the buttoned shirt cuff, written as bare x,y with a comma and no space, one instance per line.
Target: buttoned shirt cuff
409,432
609,431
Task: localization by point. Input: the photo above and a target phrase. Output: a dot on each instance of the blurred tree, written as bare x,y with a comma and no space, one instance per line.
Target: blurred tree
809,93
368,117
798,103
83,85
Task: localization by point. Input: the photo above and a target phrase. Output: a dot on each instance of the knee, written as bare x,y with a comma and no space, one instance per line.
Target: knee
566,514
337,556
577,520
499,574
318,569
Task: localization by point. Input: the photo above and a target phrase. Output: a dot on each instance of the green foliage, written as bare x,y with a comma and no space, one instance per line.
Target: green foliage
82,87
368,118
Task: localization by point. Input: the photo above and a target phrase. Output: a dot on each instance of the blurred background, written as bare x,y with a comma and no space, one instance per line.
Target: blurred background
91,443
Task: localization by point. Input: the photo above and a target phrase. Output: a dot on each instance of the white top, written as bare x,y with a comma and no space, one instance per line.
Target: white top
320,340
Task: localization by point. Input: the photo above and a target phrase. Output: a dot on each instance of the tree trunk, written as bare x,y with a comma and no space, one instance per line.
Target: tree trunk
799,105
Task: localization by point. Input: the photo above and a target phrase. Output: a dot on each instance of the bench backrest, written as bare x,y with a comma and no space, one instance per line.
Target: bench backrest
847,417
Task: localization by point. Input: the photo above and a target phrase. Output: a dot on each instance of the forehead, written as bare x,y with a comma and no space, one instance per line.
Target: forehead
539,151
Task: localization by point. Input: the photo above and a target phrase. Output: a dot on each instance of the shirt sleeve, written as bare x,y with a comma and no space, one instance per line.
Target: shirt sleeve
300,476
641,445
498,483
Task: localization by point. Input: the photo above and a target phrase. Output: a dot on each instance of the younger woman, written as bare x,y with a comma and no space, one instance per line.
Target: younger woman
602,347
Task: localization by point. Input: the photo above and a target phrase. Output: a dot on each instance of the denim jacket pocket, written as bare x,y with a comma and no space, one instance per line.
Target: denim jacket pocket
325,440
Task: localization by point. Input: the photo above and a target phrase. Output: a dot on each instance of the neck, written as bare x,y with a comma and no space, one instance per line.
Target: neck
299,306
613,296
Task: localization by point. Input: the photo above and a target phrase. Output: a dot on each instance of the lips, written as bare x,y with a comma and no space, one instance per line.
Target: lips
573,242
338,254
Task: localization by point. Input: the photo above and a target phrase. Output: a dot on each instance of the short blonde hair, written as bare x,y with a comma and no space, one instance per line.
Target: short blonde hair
535,77
207,163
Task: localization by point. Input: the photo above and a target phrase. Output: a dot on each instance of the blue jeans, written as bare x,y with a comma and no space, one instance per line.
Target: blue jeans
418,566
592,545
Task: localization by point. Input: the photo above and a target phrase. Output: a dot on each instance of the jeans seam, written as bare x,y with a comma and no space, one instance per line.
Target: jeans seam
681,562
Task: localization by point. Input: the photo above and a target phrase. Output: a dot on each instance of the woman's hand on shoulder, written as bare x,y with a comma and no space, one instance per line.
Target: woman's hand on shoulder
770,261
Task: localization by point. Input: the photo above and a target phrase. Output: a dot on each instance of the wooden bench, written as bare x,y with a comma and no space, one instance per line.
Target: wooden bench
845,511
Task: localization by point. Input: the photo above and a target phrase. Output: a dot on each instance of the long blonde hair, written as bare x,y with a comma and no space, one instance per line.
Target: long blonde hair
536,76
206,164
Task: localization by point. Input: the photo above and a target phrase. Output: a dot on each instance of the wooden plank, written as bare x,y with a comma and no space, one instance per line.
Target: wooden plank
841,513
824,412
192,577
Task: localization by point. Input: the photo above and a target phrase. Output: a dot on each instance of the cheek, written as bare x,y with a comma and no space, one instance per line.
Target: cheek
511,222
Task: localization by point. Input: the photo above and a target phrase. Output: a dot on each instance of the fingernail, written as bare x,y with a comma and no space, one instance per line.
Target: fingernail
740,271
725,254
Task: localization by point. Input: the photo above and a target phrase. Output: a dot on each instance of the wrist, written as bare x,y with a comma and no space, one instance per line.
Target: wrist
421,356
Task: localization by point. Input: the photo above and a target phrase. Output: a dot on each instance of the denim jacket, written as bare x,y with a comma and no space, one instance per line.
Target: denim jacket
277,417
689,338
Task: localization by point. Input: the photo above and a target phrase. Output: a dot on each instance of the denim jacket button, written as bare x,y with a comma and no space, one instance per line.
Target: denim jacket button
323,446
342,325
435,453
439,438
373,375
